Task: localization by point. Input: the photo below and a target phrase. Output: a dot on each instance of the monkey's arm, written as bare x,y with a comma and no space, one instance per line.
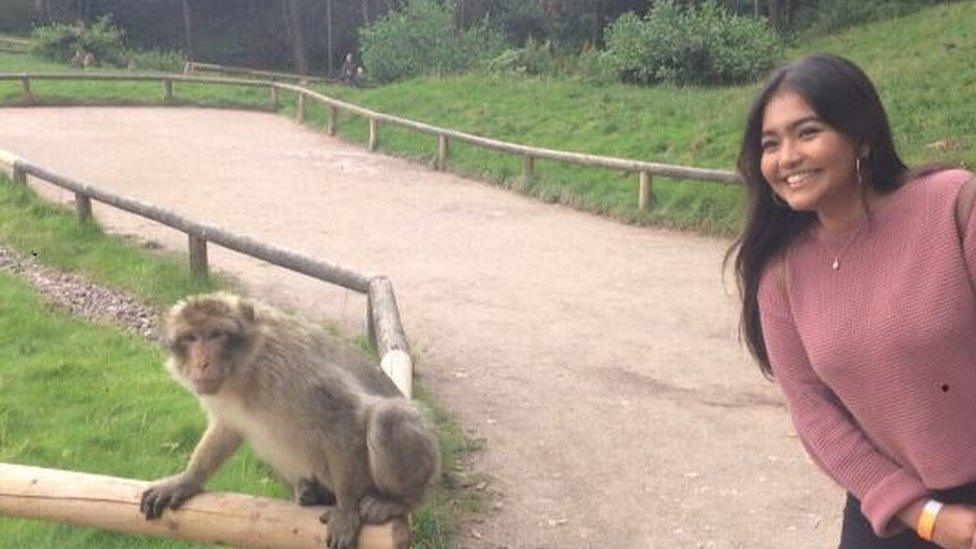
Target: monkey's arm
219,442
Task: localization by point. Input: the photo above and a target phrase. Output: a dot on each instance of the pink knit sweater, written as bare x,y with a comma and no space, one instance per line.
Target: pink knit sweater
877,359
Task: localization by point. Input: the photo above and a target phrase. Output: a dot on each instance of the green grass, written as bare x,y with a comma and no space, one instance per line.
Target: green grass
921,64
53,235
72,395
83,397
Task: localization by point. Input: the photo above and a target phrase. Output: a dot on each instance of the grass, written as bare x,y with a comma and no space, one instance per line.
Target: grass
919,62
73,394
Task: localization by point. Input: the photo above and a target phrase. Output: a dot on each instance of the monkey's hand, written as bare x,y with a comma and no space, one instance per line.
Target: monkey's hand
344,527
171,493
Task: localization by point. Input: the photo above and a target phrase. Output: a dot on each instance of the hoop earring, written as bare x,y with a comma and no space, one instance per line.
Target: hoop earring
857,171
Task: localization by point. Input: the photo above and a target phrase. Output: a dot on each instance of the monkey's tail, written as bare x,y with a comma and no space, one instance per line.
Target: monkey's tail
403,454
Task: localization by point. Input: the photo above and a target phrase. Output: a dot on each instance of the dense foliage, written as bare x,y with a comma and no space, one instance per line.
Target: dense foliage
65,43
421,40
703,44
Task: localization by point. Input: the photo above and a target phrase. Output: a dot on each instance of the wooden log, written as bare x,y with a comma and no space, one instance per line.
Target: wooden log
168,87
373,133
333,120
316,268
386,317
528,163
644,192
198,257
83,207
398,367
25,84
18,175
300,111
443,150
112,503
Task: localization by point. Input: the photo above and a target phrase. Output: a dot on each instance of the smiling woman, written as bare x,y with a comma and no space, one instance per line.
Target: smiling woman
857,279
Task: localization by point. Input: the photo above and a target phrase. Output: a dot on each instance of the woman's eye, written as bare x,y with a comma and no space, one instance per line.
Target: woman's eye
767,145
216,335
809,132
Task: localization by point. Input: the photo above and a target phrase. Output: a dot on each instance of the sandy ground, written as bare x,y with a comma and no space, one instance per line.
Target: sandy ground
598,361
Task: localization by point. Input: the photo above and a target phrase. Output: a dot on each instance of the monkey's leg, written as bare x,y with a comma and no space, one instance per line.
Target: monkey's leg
218,443
377,508
404,459
309,491
350,480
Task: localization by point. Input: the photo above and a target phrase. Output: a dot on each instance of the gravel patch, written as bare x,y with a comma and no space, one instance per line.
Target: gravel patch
83,298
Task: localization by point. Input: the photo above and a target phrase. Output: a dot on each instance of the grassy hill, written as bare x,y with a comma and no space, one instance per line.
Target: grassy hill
922,64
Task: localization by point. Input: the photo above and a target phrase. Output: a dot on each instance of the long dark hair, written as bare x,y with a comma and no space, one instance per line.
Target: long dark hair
843,97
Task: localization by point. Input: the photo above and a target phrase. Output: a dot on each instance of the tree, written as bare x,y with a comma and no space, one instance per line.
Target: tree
188,29
293,19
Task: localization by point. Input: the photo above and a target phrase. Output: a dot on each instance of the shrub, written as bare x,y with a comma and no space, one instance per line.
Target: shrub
421,40
157,60
533,58
64,43
699,44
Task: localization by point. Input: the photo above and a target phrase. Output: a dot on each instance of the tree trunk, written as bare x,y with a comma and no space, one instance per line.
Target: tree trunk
44,9
328,35
294,19
366,20
188,29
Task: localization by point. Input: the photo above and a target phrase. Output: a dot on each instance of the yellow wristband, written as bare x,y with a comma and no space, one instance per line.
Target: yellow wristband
926,521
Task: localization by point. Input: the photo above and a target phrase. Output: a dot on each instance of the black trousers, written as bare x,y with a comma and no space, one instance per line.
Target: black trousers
856,532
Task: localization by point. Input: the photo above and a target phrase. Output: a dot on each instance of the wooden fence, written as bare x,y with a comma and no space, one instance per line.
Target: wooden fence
112,503
382,316
646,170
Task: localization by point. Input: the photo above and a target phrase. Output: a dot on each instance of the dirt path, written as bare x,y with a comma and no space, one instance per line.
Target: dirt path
599,361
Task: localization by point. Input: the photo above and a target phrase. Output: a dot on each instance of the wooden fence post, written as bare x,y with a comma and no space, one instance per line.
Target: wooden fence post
83,207
168,86
274,97
18,174
333,120
300,114
644,196
198,256
443,150
374,131
527,167
28,96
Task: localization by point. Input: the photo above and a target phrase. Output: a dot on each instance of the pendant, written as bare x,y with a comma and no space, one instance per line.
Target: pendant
836,264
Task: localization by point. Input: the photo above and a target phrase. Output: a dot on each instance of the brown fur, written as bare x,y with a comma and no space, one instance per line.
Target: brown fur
329,422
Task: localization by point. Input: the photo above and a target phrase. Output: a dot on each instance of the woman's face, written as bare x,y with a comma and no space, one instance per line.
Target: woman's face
808,163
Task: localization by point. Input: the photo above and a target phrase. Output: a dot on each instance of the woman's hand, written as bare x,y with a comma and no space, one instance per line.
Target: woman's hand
955,527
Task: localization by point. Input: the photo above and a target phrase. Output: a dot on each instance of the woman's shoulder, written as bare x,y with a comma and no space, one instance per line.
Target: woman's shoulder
937,179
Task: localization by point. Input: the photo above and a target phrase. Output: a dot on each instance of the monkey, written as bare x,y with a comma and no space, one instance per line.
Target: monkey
327,420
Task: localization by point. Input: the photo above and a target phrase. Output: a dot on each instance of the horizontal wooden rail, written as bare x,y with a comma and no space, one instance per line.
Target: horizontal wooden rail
195,66
112,503
382,317
645,170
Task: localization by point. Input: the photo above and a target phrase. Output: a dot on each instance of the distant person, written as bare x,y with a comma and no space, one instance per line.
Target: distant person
349,74
857,278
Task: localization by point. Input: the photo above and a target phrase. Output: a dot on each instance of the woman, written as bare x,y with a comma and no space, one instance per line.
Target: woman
857,282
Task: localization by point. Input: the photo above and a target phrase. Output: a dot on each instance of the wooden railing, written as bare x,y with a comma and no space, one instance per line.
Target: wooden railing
646,170
382,316
11,44
191,67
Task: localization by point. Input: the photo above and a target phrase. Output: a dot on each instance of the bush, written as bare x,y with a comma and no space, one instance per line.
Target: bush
65,43
699,44
422,40
533,58
157,60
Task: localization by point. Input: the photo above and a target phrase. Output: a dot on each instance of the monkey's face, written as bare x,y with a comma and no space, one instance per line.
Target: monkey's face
209,338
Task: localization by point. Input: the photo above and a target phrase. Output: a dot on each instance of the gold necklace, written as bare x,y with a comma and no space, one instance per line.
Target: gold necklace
835,264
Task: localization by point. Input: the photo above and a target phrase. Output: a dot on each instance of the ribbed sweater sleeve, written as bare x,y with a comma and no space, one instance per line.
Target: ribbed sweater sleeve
831,437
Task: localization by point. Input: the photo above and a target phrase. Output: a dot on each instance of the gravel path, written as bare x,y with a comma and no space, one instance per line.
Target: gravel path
82,298
598,361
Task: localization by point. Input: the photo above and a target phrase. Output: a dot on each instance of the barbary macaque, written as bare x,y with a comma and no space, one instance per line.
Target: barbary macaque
327,420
